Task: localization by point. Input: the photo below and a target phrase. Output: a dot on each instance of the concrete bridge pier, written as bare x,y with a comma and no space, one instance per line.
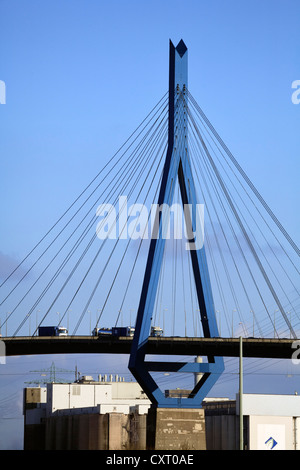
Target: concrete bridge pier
176,429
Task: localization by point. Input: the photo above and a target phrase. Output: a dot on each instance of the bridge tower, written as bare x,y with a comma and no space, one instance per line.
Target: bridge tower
177,165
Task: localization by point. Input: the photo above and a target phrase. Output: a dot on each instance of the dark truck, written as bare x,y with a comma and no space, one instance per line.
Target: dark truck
53,331
114,331
124,331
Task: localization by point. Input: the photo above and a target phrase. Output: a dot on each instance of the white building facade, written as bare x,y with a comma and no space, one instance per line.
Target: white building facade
98,397
270,422
274,421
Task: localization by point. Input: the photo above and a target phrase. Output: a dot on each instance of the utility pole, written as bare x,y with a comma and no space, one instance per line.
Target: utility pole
52,372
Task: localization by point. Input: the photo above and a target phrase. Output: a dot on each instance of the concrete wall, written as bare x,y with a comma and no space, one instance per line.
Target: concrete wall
112,431
34,437
176,429
34,395
222,432
76,432
34,411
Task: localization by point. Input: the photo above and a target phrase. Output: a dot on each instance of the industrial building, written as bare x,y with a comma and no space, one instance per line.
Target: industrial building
112,414
108,414
271,422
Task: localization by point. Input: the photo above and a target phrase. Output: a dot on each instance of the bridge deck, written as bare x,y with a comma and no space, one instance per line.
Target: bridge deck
228,347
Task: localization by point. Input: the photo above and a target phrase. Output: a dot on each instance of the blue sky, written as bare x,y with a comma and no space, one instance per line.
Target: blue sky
81,75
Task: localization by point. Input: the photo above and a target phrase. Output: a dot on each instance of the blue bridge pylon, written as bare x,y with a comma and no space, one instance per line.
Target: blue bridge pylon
177,164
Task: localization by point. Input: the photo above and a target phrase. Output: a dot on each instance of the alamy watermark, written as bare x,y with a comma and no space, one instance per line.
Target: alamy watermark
2,352
296,93
296,354
136,222
2,92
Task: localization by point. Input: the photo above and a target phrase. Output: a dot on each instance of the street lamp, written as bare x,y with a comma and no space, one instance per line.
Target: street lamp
37,321
289,313
69,310
251,311
165,309
234,310
131,310
7,313
277,310
90,322
219,327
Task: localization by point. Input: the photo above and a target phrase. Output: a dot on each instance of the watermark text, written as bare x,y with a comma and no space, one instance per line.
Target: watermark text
2,352
296,354
136,222
296,93
2,92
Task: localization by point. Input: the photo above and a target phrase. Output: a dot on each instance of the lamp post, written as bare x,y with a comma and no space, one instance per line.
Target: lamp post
241,395
37,321
69,310
289,313
7,313
90,322
234,310
218,311
165,309
277,310
251,311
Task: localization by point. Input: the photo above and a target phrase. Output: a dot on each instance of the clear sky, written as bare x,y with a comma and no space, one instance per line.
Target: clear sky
81,75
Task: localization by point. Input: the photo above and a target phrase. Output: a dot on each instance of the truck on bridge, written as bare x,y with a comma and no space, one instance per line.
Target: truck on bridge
124,331
114,331
101,331
156,331
53,331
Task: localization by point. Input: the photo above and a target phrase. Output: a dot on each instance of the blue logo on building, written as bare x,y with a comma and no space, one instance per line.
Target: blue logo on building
271,443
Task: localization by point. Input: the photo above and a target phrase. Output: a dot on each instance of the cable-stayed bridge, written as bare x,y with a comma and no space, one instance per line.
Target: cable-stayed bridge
167,345
126,252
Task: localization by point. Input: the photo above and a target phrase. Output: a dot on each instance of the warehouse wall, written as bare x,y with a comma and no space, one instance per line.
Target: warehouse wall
111,431
222,432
